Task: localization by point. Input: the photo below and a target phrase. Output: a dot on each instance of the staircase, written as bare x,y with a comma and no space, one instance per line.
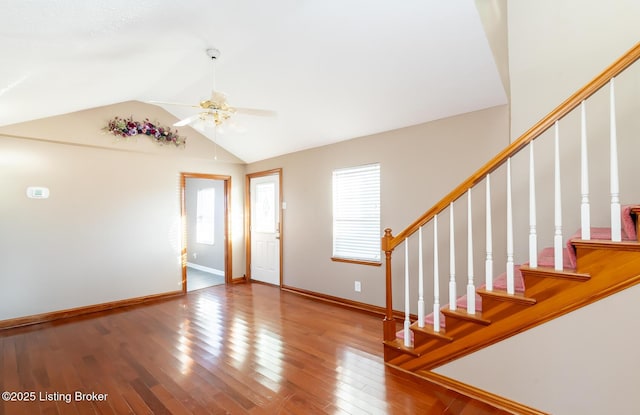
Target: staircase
593,263
541,294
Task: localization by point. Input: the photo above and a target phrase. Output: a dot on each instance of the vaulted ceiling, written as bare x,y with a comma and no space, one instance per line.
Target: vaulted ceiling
331,70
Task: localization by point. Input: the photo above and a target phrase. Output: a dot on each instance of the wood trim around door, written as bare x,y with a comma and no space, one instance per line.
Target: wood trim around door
247,216
227,223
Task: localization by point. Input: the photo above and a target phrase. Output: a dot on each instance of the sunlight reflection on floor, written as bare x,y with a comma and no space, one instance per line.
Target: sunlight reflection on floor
352,370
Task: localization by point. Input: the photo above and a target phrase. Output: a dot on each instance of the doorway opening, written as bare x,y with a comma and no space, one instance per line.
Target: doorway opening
206,245
263,226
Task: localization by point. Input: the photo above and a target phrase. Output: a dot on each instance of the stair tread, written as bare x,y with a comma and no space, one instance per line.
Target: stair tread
463,315
503,295
570,274
428,330
624,244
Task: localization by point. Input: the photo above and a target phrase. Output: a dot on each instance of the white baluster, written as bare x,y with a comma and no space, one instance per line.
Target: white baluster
585,215
471,290
510,269
452,262
407,320
557,238
533,232
420,281
436,278
488,263
616,232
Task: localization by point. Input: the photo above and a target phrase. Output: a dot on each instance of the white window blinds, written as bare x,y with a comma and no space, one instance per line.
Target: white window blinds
356,213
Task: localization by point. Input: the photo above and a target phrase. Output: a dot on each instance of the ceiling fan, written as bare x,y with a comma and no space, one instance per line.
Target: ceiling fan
215,108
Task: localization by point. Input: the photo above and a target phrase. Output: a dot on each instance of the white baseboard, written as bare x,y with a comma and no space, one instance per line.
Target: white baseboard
205,269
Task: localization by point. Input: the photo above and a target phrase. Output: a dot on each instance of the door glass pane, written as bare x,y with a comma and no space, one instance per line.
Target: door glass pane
265,211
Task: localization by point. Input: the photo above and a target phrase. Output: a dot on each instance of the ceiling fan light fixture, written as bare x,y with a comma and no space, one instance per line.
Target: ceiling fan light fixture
217,117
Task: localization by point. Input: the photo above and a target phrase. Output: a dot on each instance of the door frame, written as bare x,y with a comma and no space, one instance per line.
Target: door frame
227,228
247,218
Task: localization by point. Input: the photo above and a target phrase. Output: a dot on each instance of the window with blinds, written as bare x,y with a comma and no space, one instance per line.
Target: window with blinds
356,213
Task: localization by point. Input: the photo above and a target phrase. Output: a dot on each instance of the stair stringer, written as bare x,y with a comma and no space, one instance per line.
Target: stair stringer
613,267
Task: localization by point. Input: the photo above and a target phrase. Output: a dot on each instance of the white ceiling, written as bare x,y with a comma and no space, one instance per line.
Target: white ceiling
331,69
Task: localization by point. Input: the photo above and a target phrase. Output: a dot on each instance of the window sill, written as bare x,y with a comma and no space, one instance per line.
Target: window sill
357,261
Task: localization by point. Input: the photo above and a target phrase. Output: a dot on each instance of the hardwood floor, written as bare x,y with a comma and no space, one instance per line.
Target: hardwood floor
238,349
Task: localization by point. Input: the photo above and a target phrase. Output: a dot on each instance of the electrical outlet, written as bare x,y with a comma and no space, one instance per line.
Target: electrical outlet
195,255
357,286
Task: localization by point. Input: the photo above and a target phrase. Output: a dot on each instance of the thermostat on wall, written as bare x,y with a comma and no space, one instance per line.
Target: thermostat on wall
35,192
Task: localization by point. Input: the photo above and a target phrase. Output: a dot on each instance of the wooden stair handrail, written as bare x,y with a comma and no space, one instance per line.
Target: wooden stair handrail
390,242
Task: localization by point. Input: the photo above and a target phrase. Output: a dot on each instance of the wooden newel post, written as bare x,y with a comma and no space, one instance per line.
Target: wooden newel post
389,323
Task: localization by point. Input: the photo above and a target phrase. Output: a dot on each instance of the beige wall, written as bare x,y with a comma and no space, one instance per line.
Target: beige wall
493,14
556,47
419,165
576,364
111,227
567,366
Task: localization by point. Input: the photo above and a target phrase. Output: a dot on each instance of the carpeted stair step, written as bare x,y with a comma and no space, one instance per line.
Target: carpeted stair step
546,258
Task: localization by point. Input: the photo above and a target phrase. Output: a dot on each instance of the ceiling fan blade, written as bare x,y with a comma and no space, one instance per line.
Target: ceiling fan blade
187,121
173,103
255,111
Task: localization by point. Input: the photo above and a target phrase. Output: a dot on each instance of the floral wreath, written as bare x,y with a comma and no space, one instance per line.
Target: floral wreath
127,127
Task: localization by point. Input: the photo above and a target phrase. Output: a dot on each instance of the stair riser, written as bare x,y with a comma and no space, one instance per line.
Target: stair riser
495,309
459,328
594,260
424,342
396,358
391,355
543,288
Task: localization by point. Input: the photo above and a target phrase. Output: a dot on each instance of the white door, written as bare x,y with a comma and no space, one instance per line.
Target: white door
265,228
